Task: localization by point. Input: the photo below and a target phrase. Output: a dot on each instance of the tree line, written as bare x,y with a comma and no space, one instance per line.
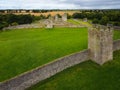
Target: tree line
12,19
102,17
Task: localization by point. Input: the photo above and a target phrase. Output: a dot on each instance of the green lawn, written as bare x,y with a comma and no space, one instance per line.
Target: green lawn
73,22
79,22
85,76
23,50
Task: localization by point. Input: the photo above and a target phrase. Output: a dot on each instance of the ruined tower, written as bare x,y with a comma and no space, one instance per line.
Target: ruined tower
64,17
56,17
100,43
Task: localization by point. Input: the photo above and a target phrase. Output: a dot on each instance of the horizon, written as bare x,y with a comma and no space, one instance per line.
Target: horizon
60,4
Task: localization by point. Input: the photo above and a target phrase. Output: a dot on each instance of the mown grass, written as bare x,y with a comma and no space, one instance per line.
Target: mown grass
79,22
23,50
73,22
85,76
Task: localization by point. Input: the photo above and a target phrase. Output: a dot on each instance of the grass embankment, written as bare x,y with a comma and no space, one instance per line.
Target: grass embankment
85,76
73,21
23,50
79,22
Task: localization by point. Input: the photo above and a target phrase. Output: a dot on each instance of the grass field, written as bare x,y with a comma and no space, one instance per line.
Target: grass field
53,13
79,22
73,22
23,50
85,76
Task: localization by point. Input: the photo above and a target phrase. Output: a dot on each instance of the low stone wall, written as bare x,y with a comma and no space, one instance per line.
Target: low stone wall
23,26
32,77
116,45
116,27
69,26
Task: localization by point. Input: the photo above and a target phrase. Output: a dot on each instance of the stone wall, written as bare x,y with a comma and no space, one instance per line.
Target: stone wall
41,73
116,45
69,26
23,26
116,27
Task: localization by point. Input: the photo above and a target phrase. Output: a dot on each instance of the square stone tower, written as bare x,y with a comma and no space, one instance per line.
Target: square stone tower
56,17
100,43
64,17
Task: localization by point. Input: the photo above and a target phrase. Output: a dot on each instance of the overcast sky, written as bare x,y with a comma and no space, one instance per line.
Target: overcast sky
59,4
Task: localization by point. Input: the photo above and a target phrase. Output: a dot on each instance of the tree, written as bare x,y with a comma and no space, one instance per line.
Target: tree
95,21
104,20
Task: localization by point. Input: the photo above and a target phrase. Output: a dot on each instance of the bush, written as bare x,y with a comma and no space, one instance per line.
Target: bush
104,20
3,24
14,24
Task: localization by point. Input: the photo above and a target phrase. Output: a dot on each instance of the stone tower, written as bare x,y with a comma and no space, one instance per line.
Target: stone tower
56,17
100,43
64,17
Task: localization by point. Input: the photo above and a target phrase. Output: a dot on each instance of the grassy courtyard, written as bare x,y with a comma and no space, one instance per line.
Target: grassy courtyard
23,50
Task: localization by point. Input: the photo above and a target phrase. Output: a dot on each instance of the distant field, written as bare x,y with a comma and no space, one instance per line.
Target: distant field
23,50
53,13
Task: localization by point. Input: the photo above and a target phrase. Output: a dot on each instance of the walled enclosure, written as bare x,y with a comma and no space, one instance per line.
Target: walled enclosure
34,76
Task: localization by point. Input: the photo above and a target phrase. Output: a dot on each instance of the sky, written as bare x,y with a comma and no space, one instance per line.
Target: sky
59,4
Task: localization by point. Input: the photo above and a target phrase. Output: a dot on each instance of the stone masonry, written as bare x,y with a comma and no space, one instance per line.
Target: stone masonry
56,17
100,43
49,24
64,17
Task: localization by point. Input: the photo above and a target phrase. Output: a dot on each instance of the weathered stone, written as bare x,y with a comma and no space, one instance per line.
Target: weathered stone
64,17
51,18
100,43
49,24
85,20
56,18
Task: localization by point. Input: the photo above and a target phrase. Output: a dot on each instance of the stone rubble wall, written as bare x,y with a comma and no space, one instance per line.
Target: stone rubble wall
116,27
23,26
